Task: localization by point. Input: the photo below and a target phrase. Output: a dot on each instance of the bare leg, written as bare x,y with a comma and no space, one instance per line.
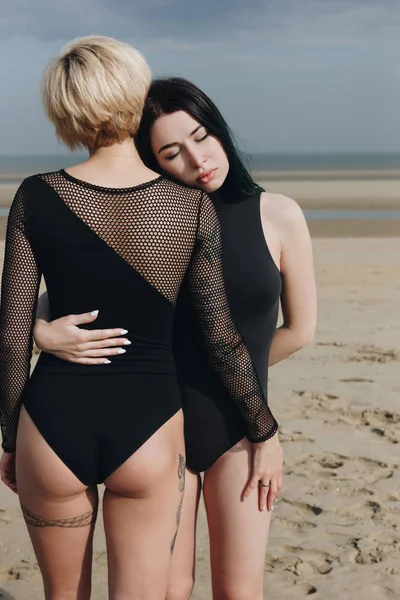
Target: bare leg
60,513
181,578
238,530
142,506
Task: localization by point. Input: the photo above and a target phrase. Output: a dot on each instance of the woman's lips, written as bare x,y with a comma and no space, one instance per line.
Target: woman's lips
208,176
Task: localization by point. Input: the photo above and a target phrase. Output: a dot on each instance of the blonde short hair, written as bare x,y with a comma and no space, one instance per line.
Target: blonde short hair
94,92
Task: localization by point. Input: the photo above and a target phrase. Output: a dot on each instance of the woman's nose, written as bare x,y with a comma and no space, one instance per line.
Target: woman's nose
197,160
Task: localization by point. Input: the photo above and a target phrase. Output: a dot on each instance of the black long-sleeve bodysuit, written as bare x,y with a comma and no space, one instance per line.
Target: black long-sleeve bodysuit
213,424
127,252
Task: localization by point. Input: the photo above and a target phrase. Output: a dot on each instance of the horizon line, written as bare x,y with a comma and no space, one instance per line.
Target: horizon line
246,152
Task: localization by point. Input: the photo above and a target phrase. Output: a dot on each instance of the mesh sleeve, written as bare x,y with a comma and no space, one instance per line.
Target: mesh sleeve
19,290
228,353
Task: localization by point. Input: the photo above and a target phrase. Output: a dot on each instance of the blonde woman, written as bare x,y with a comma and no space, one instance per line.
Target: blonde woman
114,232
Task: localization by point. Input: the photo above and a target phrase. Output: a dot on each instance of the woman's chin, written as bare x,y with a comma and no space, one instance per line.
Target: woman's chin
212,186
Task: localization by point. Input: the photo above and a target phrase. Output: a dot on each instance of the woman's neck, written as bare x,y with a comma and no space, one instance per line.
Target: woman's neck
117,156
114,166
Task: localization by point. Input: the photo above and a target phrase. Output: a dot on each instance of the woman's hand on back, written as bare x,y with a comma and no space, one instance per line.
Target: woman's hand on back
65,339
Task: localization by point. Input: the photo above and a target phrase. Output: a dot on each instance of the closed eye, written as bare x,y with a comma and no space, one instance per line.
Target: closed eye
203,138
172,156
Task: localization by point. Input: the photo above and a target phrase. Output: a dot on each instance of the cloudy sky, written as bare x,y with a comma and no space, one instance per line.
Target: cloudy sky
289,75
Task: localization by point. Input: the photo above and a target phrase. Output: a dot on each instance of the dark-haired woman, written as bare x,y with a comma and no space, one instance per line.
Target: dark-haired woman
267,258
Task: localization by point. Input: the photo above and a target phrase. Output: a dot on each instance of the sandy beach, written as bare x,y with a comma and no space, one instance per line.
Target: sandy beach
312,189
336,528
376,190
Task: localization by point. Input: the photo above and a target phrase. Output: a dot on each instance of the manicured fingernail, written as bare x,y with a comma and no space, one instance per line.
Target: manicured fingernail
94,313
244,498
127,343
263,508
124,331
107,362
121,351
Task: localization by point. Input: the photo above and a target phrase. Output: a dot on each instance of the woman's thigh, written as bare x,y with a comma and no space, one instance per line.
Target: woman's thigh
142,506
238,530
59,511
182,572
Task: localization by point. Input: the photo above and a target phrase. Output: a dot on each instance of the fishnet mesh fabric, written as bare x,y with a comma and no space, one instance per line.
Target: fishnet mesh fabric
152,227
228,352
163,231
20,286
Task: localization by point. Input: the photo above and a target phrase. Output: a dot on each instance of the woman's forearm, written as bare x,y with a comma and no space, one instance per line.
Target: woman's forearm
286,342
20,286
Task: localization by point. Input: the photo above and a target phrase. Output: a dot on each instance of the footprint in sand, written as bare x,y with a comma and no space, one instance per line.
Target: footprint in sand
296,525
315,395
25,569
368,551
386,512
323,396
301,562
298,569
314,400
310,561
286,436
4,520
381,416
311,464
340,468
332,461
303,507
381,422
372,354
299,392
100,559
362,510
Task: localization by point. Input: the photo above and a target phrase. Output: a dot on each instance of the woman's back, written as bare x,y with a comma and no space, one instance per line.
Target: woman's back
124,251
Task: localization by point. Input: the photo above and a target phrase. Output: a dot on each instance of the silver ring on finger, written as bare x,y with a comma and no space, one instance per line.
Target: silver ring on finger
261,484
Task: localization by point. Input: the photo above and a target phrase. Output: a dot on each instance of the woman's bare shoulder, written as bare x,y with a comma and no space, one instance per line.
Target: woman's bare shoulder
281,210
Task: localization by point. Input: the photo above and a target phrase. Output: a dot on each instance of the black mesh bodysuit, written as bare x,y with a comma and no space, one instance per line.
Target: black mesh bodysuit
126,252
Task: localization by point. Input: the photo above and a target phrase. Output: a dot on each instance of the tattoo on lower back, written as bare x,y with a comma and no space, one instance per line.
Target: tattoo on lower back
181,478
83,520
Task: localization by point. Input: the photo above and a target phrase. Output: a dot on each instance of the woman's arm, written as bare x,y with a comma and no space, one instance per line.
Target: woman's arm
228,353
64,338
19,291
298,297
232,360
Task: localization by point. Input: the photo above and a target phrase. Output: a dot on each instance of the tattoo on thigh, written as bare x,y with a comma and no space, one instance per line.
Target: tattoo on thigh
83,520
181,473
181,478
173,543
